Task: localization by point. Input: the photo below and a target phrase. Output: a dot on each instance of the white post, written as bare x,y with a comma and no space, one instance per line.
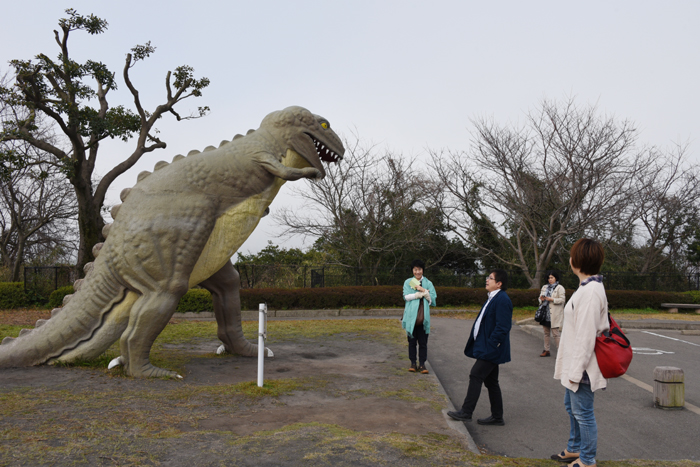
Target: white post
262,335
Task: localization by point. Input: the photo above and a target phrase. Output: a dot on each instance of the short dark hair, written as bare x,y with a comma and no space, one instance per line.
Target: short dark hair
500,275
556,274
587,255
416,263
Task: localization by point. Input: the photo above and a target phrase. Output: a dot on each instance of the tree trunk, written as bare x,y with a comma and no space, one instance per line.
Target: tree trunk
18,258
90,223
536,282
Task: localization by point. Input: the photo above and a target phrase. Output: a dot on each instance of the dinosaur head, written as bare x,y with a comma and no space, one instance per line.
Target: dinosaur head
307,134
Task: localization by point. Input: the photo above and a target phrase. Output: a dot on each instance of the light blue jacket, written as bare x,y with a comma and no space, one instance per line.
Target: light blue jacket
410,311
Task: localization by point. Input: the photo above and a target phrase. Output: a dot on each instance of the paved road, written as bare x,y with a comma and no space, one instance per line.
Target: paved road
663,347
536,423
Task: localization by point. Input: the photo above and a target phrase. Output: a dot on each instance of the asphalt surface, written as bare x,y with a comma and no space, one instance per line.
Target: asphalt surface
537,425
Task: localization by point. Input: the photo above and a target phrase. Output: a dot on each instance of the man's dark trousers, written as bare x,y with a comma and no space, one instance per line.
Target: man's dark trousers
484,372
420,338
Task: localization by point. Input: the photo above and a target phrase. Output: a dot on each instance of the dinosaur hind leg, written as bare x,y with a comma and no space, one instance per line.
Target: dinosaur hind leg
149,316
224,286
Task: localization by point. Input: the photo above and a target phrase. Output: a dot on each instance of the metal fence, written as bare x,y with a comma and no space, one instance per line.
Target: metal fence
42,280
290,276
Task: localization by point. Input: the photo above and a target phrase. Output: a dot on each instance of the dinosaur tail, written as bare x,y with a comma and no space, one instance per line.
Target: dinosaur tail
81,329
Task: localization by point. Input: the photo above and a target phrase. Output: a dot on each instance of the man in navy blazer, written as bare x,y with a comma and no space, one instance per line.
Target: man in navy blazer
489,344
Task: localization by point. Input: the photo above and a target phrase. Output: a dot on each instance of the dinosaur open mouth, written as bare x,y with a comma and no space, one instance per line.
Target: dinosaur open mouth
325,153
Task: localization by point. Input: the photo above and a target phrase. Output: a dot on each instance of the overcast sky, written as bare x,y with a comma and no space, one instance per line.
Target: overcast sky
408,75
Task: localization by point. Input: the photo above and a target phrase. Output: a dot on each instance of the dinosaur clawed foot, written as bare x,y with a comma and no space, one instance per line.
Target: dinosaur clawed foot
147,370
247,351
152,371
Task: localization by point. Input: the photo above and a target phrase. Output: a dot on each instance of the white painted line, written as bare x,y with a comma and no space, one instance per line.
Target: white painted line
642,385
648,351
672,338
645,386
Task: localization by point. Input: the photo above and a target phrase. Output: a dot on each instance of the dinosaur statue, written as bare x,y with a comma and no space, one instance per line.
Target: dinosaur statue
178,227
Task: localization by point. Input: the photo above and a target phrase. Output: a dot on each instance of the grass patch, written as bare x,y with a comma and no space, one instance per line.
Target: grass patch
99,362
270,388
184,333
155,422
8,330
518,313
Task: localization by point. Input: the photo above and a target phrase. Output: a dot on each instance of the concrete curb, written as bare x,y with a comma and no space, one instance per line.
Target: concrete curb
463,434
635,324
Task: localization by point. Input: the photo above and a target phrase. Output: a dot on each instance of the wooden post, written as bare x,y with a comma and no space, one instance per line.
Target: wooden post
669,387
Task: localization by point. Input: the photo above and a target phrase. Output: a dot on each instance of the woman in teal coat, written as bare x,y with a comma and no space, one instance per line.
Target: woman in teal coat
419,294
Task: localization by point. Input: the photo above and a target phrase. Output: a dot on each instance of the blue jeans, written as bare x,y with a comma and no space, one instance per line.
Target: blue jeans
583,436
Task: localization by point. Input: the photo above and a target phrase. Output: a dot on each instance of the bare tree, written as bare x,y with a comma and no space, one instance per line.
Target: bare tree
520,193
58,90
667,207
37,210
371,210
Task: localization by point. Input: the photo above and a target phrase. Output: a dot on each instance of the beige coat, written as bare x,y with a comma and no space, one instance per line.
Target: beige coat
585,318
556,308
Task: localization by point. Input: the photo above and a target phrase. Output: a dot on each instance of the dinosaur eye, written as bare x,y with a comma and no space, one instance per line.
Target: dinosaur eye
324,125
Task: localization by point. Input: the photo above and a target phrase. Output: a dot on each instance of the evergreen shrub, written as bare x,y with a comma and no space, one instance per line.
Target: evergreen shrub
694,296
195,300
642,298
12,295
320,298
56,297
390,296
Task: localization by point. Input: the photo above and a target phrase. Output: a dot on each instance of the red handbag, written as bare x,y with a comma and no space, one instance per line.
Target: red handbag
613,351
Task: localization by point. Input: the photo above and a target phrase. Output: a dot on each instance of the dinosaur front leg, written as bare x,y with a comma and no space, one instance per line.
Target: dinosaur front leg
149,316
224,287
290,173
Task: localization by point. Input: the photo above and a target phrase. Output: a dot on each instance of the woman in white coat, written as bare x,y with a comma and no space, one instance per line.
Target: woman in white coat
553,298
585,318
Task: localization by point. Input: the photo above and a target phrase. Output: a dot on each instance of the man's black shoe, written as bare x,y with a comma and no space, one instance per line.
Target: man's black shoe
461,416
491,421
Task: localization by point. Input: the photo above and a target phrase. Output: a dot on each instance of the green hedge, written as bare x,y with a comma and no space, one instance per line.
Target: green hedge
195,300
694,296
390,296
12,295
643,299
56,297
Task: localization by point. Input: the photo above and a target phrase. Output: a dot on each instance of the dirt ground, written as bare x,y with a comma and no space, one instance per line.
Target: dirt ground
340,400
